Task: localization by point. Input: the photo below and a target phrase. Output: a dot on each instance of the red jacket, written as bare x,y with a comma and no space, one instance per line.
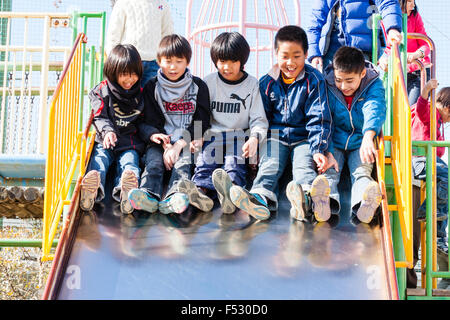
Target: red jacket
420,123
415,25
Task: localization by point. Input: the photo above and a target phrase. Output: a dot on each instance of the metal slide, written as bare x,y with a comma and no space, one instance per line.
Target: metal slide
197,255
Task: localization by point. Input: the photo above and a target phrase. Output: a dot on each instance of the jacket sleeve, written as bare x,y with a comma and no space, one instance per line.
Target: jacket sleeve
391,13
319,14
318,117
202,112
102,123
153,119
374,108
116,27
264,89
258,120
423,110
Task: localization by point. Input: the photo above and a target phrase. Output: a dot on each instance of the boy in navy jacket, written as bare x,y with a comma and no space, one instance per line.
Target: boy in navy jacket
356,98
294,98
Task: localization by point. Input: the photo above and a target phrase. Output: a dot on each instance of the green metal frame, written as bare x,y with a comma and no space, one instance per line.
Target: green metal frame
95,72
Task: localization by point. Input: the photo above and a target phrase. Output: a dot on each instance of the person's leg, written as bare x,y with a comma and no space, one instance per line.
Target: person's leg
127,178
93,184
150,189
413,87
150,69
206,164
366,194
333,178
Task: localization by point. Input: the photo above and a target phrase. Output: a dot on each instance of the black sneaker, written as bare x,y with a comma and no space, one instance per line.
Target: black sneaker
197,198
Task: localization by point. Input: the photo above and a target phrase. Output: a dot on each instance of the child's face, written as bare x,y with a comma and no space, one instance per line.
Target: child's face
229,69
443,111
173,67
410,4
127,80
291,58
347,82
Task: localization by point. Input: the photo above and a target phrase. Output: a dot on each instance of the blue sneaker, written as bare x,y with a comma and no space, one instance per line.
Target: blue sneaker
252,203
141,200
178,203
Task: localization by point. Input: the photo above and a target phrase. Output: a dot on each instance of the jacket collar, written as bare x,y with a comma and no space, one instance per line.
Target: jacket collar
275,73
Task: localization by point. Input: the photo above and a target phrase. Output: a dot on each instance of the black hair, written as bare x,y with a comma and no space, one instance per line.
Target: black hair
292,34
174,45
443,97
403,6
230,46
349,60
123,59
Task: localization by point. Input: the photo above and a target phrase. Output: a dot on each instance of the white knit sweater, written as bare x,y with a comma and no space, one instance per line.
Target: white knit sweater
142,23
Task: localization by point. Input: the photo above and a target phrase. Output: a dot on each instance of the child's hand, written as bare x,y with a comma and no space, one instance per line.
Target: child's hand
430,85
367,151
172,153
331,162
383,63
110,140
250,148
317,63
159,138
394,36
196,145
321,162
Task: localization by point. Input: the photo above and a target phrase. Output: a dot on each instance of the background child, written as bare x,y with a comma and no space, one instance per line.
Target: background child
177,101
118,104
420,130
336,23
356,98
236,106
142,23
294,97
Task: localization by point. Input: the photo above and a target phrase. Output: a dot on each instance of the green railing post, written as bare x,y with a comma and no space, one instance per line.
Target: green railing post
375,21
429,226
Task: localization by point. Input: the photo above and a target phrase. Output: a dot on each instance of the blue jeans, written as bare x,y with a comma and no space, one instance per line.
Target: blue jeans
153,175
274,158
360,175
102,159
213,157
150,68
419,172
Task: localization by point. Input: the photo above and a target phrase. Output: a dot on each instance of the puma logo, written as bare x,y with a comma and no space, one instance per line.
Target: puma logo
236,97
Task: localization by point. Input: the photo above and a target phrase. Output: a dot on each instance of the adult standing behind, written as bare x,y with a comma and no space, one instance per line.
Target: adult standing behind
142,23
337,23
417,50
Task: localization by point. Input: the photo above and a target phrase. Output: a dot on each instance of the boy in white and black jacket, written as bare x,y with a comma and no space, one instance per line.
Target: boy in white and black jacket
176,116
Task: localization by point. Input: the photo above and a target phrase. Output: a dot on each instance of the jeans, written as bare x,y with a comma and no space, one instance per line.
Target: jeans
150,68
419,172
274,158
360,175
153,175
101,161
413,85
213,157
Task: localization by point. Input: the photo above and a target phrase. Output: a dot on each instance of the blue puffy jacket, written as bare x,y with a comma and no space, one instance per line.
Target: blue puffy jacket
356,23
300,111
367,112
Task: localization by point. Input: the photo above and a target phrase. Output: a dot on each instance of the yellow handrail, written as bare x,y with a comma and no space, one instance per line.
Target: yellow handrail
66,145
401,151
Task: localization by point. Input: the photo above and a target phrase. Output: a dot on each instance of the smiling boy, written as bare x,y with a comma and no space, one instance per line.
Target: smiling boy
294,98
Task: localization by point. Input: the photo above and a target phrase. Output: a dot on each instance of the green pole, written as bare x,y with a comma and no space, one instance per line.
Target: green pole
74,23
37,243
375,20
429,226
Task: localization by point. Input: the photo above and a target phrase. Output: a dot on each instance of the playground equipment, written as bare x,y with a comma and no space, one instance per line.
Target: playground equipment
109,256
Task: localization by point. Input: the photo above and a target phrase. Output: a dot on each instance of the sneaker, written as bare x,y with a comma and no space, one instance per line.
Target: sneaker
320,196
128,182
197,198
295,195
252,203
178,203
142,200
222,182
442,247
89,189
371,201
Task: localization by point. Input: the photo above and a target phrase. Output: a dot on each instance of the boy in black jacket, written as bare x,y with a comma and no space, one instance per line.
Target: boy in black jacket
177,108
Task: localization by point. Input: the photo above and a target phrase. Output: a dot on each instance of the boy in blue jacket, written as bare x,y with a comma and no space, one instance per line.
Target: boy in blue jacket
294,98
356,99
336,23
